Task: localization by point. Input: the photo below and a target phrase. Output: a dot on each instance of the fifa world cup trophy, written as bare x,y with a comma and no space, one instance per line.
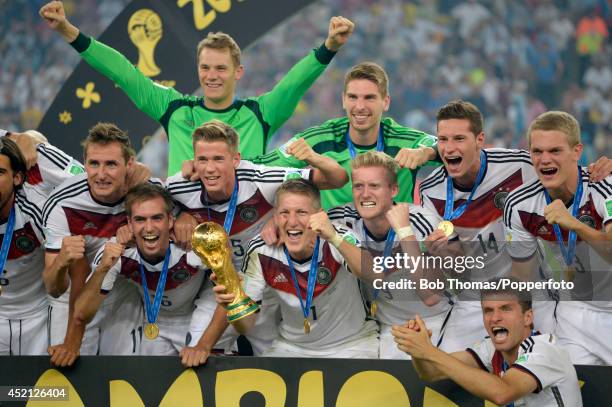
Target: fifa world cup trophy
210,243
145,31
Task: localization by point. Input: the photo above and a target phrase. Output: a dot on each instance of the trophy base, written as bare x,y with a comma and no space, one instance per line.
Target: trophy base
241,309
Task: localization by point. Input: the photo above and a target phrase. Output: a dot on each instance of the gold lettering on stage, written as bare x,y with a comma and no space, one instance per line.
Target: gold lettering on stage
201,17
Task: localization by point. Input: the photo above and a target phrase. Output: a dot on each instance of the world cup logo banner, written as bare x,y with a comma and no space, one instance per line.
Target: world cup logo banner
159,37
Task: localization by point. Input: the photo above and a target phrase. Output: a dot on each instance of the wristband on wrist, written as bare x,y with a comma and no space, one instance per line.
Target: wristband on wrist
405,232
336,240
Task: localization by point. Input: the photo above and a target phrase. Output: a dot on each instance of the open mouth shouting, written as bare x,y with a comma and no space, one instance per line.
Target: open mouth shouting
500,334
150,240
453,161
294,235
548,172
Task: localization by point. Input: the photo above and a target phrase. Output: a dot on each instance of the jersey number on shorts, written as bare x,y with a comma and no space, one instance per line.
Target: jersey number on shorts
136,338
237,246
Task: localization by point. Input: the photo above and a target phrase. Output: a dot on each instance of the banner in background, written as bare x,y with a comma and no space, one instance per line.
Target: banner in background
253,382
160,38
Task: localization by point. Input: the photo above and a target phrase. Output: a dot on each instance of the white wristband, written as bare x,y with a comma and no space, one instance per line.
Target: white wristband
405,232
336,240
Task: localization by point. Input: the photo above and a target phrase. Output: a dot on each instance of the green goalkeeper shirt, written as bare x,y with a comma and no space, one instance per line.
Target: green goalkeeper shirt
254,118
329,139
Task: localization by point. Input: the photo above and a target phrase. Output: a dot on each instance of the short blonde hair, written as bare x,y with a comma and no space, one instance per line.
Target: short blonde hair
220,41
377,159
216,130
556,120
371,72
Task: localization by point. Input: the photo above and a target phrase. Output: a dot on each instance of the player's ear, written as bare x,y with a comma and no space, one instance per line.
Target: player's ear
480,139
170,221
18,178
394,190
386,103
529,317
236,159
578,151
239,72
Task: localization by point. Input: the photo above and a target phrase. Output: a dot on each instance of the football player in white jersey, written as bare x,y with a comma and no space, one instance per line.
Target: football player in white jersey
313,277
48,166
79,217
23,302
171,276
513,365
380,225
238,195
562,222
469,191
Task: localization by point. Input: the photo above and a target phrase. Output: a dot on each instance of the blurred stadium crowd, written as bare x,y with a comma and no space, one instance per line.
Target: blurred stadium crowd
513,59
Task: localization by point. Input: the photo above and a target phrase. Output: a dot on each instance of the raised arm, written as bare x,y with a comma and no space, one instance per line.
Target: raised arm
149,97
358,261
57,265
327,173
280,103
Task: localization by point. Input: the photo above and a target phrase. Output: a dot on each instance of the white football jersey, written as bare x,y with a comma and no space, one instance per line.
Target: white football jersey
482,221
53,167
23,291
337,311
529,233
186,278
257,185
397,306
546,362
71,210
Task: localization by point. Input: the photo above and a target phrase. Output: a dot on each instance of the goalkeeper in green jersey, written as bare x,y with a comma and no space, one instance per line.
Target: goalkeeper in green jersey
219,69
365,98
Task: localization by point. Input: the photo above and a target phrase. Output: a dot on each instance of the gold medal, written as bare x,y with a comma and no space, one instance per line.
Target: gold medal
569,273
151,331
306,326
373,309
447,227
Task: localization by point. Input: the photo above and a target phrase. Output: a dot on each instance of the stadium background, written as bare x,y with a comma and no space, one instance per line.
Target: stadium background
512,59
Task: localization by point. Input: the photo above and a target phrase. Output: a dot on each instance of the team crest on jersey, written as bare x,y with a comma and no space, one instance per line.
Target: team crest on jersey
522,359
75,169
293,175
180,276
350,238
587,220
324,276
90,225
249,214
25,244
499,199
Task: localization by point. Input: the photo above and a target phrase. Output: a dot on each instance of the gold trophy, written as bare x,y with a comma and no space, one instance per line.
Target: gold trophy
145,31
209,242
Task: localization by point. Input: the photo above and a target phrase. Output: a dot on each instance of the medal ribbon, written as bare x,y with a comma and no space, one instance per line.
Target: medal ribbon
312,278
380,143
386,250
569,252
449,214
153,310
8,237
231,209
